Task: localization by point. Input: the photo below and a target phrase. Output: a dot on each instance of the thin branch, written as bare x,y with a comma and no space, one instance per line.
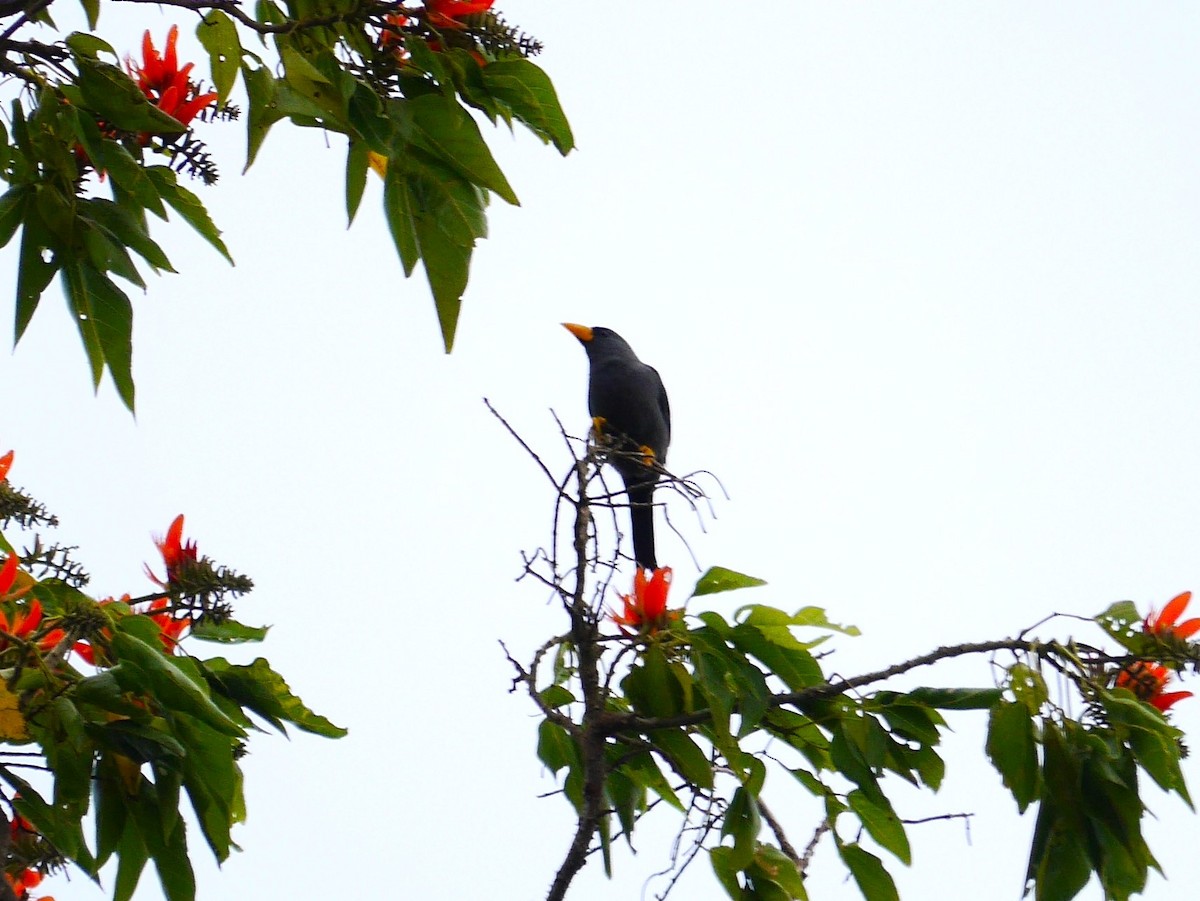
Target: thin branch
784,845
504,422
584,633
627,722
234,9
811,848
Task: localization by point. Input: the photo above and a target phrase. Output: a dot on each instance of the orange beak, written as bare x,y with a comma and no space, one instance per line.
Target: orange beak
582,332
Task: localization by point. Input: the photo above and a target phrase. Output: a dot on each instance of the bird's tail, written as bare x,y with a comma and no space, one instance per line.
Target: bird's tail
641,521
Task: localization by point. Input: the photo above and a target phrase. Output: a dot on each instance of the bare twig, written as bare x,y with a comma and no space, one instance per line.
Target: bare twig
811,848
784,845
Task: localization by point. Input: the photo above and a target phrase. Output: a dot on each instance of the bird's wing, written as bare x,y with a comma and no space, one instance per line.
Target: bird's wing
664,407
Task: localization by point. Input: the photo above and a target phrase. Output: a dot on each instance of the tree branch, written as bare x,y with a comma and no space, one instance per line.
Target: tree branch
585,631
615,723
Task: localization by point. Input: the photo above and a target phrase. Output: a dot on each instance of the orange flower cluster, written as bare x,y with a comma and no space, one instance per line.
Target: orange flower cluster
447,13
5,465
21,621
22,882
1148,680
175,553
1165,623
646,609
165,84
20,829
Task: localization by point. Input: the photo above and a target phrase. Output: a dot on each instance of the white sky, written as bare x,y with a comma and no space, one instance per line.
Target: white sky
921,281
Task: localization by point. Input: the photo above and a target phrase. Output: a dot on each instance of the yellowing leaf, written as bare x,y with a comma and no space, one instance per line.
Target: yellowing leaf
12,722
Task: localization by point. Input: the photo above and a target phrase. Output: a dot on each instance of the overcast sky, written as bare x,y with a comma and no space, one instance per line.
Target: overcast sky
921,280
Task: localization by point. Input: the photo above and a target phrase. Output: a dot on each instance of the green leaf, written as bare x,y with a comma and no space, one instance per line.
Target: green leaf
126,228
130,176
626,798
140,742
366,116
356,177
1028,687
188,206
847,751
132,856
88,44
105,319
881,823
684,755
107,255
1060,867
12,211
44,817
742,821
448,130
115,97
556,749
36,266
261,88
956,698
530,94
143,667
911,721
873,880
773,864
1154,741
644,771
219,36
796,667
447,265
718,578
1013,751
213,782
228,632
259,688
722,859
303,75
1123,624
556,696
398,208
174,867
92,9
653,688
110,808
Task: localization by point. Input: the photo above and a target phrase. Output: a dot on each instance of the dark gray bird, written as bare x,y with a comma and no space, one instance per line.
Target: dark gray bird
629,409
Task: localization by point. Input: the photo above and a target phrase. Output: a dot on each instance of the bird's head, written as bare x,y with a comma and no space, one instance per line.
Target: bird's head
598,341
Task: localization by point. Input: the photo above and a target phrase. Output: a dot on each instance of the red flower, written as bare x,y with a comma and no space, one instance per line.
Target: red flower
446,13
175,553
391,37
24,623
647,610
8,574
5,464
1164,624
1147,680
25,619
9,577
171,629
165,84
23,881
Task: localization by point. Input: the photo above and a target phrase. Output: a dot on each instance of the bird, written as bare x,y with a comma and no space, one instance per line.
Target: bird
629,409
